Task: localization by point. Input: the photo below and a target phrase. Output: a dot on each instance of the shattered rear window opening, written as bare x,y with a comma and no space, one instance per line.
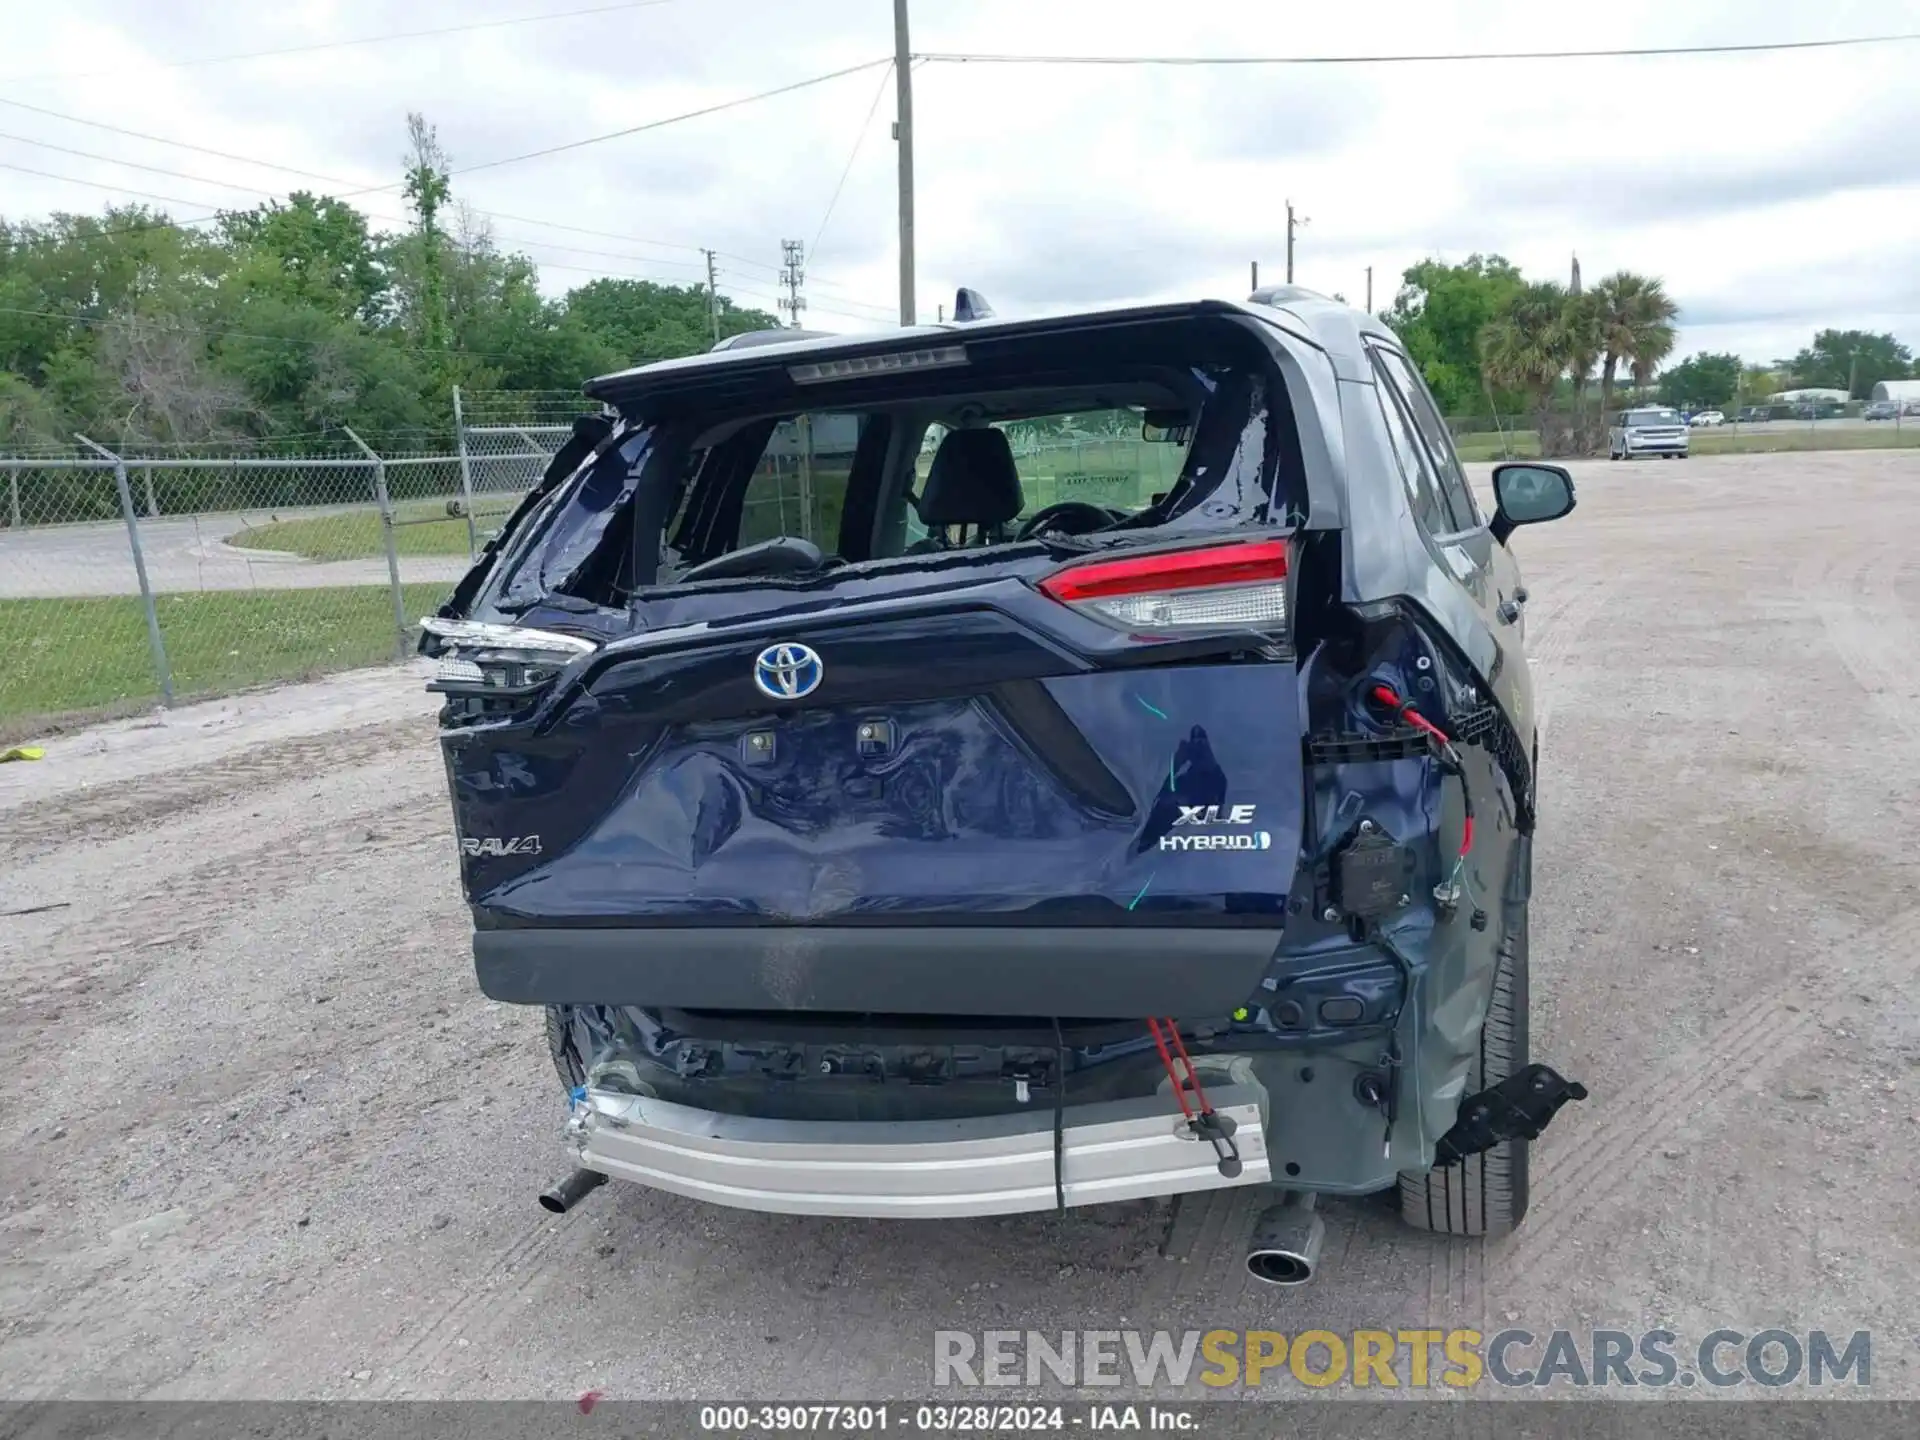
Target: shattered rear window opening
1091,447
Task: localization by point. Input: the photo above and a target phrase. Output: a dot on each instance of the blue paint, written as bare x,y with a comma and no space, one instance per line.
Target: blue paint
1142,895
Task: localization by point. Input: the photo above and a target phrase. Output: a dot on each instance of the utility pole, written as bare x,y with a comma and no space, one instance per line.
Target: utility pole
713,296
795,272
1292,225
1255,282
903,135
1369,289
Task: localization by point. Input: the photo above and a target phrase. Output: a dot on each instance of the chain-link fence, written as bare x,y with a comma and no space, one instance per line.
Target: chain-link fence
505,438
126,580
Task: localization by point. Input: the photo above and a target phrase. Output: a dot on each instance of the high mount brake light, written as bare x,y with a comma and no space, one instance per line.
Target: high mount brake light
1221,587
938,358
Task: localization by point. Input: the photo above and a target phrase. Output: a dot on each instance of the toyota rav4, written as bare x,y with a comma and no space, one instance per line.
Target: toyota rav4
1011,765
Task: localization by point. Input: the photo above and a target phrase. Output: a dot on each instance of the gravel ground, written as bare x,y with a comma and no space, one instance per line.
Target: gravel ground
262,1136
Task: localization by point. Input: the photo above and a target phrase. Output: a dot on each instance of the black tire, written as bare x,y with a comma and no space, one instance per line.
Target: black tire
560,1042
1485,1194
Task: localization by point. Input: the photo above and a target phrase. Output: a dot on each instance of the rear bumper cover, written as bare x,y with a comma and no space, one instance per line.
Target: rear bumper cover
907,970
989,1165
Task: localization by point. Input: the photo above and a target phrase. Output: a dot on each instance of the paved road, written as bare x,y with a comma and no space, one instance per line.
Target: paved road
188,553
263,1137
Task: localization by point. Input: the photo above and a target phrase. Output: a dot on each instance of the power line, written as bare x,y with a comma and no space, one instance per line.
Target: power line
880,313
1638,52
854,154
369,214
120,190
354,189
177,144
344,44
513,240
134,165
668,120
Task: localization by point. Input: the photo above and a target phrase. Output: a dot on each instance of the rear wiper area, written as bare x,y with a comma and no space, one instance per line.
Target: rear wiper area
1064,544
782,555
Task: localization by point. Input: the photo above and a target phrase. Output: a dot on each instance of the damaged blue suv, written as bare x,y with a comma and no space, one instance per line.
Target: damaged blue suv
1011,765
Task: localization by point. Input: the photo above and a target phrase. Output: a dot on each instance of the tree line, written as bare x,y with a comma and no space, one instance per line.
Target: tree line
1493,343
276,326
280,324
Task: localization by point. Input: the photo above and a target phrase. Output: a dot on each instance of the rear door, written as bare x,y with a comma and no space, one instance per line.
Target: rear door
1482,567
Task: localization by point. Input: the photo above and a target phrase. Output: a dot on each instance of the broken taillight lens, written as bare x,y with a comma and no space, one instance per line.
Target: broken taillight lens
488,670
1219,587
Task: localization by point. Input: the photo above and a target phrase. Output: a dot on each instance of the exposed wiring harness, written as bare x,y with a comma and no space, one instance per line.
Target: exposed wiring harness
1448,754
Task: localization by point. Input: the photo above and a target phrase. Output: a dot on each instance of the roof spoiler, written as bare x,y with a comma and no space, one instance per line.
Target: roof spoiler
1277,295
747,339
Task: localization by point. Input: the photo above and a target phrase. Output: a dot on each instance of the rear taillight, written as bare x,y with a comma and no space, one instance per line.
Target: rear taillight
1220,587
490,671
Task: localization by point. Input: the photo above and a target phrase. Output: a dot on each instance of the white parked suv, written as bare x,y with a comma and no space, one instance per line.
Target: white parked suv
1653,430
1708,417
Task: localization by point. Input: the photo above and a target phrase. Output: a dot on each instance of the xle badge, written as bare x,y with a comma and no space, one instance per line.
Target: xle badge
1193,816
1215,815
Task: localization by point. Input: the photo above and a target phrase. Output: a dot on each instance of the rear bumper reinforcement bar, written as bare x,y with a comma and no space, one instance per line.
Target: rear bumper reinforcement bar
991,1165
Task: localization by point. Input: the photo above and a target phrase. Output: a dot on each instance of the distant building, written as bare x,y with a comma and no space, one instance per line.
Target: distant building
1810,396
1905,391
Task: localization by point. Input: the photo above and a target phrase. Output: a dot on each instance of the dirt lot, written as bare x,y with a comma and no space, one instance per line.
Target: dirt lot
262,1136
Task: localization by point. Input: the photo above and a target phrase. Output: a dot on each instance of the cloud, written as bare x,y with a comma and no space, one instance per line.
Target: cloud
1759,187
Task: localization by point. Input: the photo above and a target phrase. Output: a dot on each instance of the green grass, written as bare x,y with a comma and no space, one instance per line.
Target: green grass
422,528
69,656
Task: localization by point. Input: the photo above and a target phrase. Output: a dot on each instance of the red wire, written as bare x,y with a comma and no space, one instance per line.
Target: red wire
1404,708
1199,1090
1166,1059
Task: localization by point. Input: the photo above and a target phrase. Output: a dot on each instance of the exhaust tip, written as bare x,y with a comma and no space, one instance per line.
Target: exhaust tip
1279,1267
571,1191
1286,1242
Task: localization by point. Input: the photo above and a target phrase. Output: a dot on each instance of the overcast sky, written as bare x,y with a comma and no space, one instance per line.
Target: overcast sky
1775,194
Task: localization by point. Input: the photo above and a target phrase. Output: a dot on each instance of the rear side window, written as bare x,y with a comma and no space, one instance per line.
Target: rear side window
1454,490
1423,487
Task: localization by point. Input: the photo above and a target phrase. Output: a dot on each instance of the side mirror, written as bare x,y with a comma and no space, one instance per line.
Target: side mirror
1528,493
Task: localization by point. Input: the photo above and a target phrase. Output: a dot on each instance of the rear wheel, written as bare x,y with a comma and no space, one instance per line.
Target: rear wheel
1485,1194
565,1051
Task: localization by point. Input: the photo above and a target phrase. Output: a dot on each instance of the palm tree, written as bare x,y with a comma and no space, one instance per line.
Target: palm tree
1525,346
1585,339
1636,325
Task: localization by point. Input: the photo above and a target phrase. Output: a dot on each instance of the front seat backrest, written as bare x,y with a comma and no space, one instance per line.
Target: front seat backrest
972,482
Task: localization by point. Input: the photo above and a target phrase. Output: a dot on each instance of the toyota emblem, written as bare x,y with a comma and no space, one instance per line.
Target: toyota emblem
787,672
